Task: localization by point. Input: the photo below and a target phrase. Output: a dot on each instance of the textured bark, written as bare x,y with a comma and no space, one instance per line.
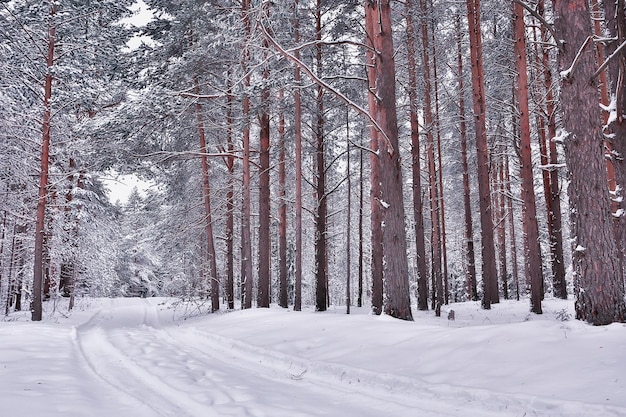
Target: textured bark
616,25
375,187
246,240
36,306
297,123
211,257
395,266
282,209
429,125
418,217
533,255
490,277
265,243
554,214
321,279
598,280
470,258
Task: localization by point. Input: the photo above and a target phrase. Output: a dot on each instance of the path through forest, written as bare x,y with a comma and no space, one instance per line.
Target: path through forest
142,356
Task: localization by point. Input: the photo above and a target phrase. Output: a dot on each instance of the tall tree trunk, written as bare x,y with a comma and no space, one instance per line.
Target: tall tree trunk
432,170
361,202
298,166
418,217
472,288
349,215
490,277
554,216
229,287
375,187
533,255
282,209
502,225
321,279
598,279
211,257
615,15
265,242
440,201
36,307
246,239
512,239
395,265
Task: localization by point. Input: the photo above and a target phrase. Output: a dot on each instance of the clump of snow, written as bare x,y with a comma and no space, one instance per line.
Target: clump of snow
138,357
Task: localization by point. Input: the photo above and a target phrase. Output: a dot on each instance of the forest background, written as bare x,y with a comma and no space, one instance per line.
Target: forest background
315,153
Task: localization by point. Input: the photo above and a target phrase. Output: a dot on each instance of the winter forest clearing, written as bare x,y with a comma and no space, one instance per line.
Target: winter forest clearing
151,357
304,159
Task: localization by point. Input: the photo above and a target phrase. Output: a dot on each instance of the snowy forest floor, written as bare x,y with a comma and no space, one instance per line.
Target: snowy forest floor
155,357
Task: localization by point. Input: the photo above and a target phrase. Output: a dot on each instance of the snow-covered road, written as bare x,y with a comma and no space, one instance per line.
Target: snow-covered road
130,357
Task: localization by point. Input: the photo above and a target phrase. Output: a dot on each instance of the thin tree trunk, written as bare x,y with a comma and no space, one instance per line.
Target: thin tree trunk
298,166
246,240
211,257
375,187
598,279
440,201
432,170
361,202
418,217
349,215
36,307
395,265
321,290
265,243
472,288
229,287
513,244
555,217
490,282
502,226
282,209
533,256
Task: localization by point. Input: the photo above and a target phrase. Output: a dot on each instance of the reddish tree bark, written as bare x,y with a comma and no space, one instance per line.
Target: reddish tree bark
395,266
375,188
229,287
282,209
321,278
555,223
418,218
265,244
429,125
533,250
298,166
513,244
36,307
246,241
472,288
490,278
598,279
211,257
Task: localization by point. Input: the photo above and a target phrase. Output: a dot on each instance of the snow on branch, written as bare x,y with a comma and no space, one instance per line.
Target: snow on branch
606,61
567,74
282,51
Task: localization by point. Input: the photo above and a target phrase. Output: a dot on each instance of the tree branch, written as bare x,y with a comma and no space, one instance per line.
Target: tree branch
327,87
540,18
606,61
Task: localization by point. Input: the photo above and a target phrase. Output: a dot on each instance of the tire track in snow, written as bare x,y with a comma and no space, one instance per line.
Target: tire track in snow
127,376
469,401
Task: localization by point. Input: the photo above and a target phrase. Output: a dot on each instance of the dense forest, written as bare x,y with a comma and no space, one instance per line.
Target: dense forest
315,153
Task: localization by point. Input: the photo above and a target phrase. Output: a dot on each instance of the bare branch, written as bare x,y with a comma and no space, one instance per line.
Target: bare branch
540,18
606,61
